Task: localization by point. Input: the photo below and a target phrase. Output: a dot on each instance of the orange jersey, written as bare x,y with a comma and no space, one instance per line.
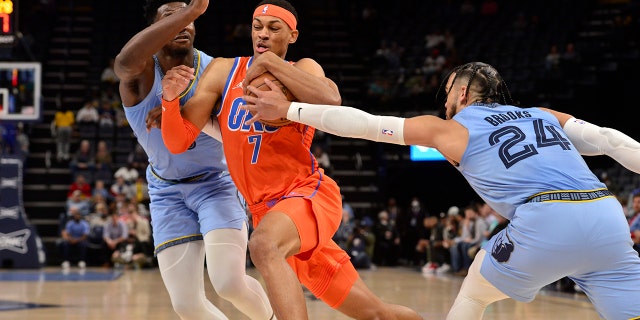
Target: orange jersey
266,163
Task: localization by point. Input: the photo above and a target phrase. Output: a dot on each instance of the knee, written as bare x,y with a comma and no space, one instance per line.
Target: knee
260,248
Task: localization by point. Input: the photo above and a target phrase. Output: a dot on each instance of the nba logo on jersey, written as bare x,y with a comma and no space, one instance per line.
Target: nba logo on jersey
264,10
387,132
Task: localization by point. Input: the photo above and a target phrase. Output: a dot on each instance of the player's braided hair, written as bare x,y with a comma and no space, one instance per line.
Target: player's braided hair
281,3
151,8
488,83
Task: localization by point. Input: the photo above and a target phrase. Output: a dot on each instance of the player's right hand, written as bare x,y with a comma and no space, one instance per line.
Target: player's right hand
176,81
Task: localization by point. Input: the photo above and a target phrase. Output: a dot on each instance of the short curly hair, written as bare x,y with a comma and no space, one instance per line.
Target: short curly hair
151,8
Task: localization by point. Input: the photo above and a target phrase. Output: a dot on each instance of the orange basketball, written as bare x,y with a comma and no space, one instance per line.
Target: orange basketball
259,83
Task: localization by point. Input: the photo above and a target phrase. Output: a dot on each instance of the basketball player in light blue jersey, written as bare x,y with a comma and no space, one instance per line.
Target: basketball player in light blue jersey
195,210
527,165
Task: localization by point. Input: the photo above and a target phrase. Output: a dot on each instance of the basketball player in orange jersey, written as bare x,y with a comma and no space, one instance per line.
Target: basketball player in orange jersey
296,208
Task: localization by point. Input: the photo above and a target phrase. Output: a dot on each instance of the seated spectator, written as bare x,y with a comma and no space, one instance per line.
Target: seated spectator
104,162
570,60
387,241
140,227
115,232
473,232
120,186
80,183
433,63
129,254
107,115
128,173
119,204
74,237
83,161
412,231
323,158
552,59
361,245
436,254
100,191
88,114
97,221
108,76
345,230
141,188
77,200
450,233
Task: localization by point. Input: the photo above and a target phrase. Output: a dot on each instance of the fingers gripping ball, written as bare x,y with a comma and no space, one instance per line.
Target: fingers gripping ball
259,83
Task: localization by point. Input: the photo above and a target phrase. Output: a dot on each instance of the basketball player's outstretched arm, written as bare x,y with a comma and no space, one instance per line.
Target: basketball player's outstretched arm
593,140
431,131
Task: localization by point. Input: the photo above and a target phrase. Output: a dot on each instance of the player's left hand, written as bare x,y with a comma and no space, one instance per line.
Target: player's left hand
265,104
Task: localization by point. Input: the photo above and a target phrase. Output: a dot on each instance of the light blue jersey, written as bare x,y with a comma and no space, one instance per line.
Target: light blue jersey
191,193
517,153
563,220
205,155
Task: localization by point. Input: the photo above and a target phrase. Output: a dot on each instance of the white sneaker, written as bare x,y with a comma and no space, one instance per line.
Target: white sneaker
429,267
82,265
66,265
443,269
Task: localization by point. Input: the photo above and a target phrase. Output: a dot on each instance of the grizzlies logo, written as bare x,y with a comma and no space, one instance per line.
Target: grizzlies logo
502,248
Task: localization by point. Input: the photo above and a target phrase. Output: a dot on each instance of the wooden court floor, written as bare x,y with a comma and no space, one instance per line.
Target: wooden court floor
139,294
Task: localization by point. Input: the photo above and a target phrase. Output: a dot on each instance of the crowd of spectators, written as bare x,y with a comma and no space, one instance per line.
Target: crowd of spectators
106,220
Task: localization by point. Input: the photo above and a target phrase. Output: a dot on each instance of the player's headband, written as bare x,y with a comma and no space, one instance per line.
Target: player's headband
278,12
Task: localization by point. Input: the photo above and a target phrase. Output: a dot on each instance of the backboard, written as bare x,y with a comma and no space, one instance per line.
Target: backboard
20,91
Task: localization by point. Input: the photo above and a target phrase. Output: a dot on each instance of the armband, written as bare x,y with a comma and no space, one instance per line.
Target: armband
178,133
591,140
348,122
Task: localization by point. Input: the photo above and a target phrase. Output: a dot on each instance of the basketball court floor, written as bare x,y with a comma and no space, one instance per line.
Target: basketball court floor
97,293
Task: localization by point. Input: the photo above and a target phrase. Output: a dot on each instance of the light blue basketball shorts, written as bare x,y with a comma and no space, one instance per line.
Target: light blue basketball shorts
182,212
587,241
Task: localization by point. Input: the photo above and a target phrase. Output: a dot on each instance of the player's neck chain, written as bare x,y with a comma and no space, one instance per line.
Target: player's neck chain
196,67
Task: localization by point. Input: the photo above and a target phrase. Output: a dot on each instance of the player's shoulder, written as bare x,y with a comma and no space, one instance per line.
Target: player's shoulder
221,63
218,66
